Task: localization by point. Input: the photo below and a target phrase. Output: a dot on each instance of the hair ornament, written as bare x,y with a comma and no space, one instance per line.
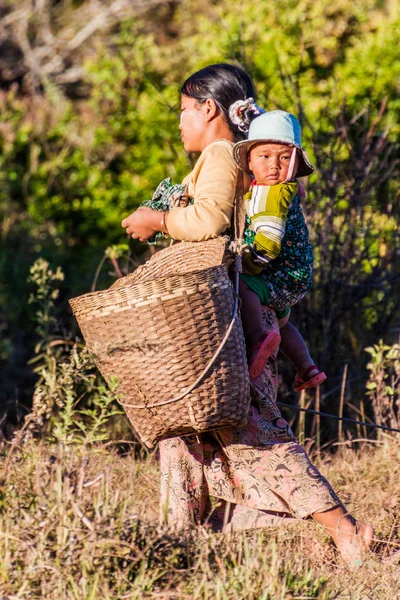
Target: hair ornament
242,112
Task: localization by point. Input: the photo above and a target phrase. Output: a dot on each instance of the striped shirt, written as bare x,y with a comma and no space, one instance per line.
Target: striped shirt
267,208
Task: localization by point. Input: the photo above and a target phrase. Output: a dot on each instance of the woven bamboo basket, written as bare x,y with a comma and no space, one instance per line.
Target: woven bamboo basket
171,333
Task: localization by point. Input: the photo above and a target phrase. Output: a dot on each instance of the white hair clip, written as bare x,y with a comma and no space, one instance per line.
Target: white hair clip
238,113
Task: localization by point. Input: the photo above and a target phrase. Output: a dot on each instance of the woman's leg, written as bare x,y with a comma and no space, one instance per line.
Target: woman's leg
184,493
260,467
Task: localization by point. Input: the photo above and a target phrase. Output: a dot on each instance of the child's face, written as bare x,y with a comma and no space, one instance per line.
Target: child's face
269,162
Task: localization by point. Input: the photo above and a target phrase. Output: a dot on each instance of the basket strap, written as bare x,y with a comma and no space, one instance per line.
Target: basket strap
239,221
210,363
239,210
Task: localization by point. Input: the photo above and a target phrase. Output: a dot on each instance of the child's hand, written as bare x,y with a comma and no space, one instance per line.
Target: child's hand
142,223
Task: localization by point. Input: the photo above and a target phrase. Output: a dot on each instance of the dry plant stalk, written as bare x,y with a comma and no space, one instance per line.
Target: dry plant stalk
341,404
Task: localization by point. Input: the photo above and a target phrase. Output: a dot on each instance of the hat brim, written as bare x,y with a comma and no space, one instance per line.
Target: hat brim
241,151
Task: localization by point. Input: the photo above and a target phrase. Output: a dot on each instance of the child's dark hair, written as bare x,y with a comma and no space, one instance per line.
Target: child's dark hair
225,84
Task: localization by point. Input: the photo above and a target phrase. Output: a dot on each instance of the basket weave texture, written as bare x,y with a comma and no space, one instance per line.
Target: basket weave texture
158,328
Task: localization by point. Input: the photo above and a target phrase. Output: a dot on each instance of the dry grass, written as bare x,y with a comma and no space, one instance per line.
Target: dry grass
78,525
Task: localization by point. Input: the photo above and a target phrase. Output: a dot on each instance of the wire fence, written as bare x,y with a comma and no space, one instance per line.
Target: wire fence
337,418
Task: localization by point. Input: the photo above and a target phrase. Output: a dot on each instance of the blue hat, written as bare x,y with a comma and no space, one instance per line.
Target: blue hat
276,126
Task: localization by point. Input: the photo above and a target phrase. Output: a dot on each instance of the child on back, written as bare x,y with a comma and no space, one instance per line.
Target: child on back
278,267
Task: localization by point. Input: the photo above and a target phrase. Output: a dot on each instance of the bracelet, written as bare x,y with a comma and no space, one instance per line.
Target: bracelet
163,224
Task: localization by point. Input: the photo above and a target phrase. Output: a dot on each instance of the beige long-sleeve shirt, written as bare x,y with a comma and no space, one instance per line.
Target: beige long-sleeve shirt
212,185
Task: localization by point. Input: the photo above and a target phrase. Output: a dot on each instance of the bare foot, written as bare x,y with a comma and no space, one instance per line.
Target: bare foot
352,539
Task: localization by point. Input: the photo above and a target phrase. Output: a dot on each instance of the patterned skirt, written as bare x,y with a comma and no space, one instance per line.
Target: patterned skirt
241,478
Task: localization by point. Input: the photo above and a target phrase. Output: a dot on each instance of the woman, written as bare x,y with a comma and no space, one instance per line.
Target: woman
259,472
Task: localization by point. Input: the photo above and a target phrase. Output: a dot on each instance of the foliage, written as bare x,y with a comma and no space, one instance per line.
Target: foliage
384,383
42,42
353,209
45,295
71,402
76,157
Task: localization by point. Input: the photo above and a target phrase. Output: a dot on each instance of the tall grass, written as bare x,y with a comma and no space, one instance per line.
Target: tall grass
79,523
79,518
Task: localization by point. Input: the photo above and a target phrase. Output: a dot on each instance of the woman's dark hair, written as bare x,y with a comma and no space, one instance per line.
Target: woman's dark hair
222,82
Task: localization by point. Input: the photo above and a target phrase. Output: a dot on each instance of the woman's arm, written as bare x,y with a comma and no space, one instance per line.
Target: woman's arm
214,182
144,222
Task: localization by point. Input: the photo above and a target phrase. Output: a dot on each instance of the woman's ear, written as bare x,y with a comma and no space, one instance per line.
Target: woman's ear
211,109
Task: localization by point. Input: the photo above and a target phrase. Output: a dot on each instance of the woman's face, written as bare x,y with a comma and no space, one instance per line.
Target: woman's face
193,124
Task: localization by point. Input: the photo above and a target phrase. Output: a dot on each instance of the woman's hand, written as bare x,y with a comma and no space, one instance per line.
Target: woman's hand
142,223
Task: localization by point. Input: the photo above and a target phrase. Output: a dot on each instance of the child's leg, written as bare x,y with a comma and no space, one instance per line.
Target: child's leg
260,344
251,314
294,347
351,538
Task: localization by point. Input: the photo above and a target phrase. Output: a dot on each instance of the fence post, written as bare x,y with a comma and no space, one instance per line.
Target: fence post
302,418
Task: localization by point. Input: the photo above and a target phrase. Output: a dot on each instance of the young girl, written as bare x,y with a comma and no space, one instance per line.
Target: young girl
278,268
259,470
